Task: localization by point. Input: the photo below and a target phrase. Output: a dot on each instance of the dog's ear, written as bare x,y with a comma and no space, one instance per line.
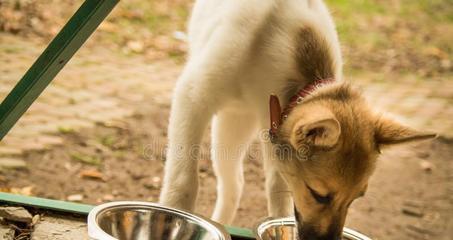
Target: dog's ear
390,132
319,128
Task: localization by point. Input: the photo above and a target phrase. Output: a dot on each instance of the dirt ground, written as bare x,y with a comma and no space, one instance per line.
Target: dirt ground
410,195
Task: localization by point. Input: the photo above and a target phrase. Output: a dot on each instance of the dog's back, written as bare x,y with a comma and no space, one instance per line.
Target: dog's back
252,45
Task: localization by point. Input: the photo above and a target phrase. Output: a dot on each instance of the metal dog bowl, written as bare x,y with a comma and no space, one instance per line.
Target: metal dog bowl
148,221
285,229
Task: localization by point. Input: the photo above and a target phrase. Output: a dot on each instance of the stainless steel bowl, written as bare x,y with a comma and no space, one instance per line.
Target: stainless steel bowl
143,220
285,229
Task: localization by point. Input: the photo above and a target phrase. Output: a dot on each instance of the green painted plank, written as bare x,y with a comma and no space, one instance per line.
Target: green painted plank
81,25
240,232
84,209
43,203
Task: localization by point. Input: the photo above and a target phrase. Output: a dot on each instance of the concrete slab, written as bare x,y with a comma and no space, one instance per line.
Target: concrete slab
6,232
56,227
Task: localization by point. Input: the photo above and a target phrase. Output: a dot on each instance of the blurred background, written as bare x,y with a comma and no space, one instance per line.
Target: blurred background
98,132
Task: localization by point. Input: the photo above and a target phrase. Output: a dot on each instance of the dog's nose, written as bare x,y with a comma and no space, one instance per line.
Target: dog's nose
308,233
315,237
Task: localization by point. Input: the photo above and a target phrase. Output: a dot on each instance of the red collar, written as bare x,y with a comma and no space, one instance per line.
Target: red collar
277,116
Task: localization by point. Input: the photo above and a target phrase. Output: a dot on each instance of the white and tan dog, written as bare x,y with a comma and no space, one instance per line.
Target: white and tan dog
240,53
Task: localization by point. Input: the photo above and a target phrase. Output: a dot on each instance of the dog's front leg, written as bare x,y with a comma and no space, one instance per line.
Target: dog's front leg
210,79
191,112
279,198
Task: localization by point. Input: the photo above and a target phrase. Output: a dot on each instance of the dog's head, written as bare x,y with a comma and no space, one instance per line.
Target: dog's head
335,140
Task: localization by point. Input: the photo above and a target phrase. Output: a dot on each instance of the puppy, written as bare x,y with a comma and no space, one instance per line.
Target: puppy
325,141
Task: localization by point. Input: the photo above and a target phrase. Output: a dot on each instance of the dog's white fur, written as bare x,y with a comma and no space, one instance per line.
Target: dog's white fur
240,53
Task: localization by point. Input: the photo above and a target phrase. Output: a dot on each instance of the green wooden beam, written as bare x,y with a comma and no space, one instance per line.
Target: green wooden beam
84,209
43,203
76,31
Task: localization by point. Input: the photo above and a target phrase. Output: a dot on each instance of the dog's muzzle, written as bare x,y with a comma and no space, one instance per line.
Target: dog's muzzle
308,232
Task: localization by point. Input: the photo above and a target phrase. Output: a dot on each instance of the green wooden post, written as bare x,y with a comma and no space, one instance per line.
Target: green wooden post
81,25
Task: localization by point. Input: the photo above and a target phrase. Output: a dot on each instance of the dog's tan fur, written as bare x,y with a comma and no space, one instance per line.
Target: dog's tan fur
340,152
342,167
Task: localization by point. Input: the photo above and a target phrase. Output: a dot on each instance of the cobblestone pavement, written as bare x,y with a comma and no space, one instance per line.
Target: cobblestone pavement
99,86
96,87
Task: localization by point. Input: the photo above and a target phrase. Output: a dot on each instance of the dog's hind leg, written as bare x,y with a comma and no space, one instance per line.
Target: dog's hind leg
232,133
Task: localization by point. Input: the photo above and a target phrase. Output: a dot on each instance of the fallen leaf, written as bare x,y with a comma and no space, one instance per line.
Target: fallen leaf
92,174
156,179
136,46
75,197
5,189
108,197
27,191
35,219
150,199
107,26
93,160
154,184
426,166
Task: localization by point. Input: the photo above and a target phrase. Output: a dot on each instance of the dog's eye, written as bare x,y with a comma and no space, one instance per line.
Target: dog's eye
319,198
